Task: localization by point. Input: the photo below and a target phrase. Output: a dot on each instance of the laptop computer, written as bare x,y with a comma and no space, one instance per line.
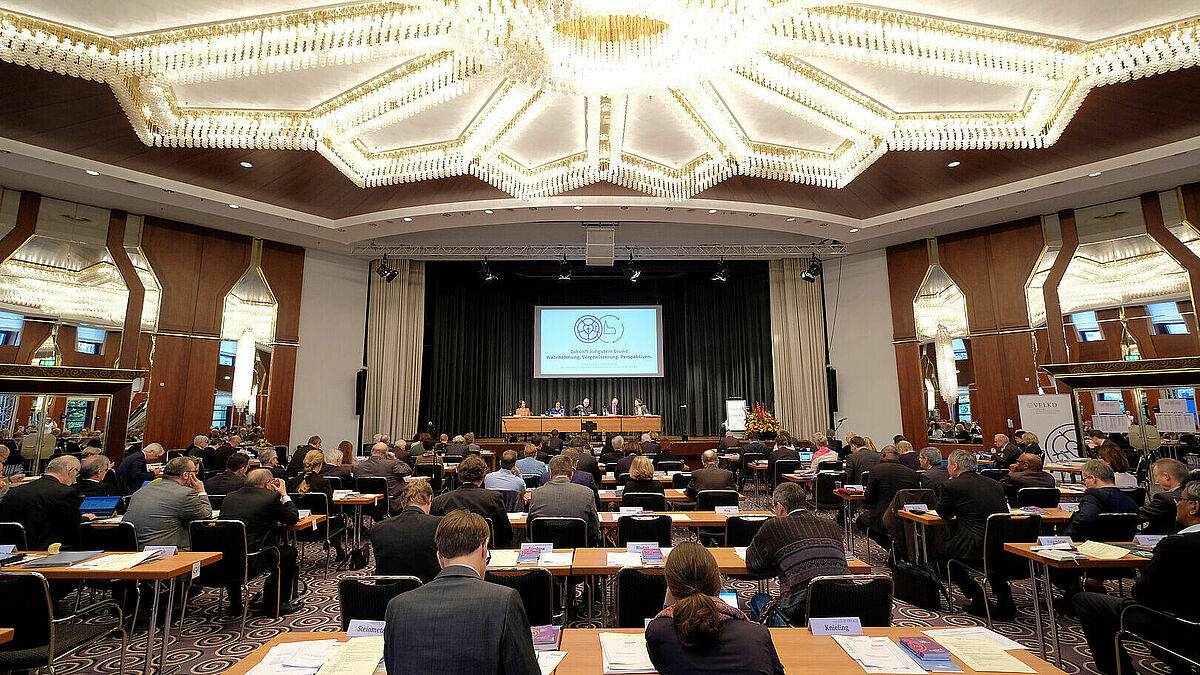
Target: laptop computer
806,457
101,507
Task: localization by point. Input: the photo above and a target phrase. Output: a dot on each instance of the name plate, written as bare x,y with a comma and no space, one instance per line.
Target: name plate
916,508
164,551
364,628
630,510
638,546
1148,540
1051,541
7,548
726,509
836,625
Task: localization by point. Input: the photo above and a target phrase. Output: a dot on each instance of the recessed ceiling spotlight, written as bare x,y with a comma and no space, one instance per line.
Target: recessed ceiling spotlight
407,219
578,208
1094,174
488,211
234,206
91,173
246,165
954,164
712,210
853,230
792,219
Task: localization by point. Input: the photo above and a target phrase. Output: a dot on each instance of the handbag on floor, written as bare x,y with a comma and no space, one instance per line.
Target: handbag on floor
918,585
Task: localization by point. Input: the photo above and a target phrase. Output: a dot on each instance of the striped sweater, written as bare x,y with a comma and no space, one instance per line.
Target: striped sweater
799,547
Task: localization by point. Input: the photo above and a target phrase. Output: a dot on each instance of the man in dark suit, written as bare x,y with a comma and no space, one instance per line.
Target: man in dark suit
383,464
1159,514
296,464
47,507
227,449
458,446
232,478
584,408
269,459
404,543
887,478
780,452
755,444
132,471
263,505
472,496
1004,452
613,408
860,459
91,481
1027,472
710,476
587,464
729,444
650,445
464,625
935,475
562,497
1162,586
967,500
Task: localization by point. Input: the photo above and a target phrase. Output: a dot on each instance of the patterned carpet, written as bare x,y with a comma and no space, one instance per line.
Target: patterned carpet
210,643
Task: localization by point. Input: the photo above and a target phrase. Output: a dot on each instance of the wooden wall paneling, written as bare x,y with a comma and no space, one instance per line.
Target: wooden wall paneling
201,391
283,268
57,409
277,418
991,385
167,387
133,283
1054,319
99,421
912,393
907,265
117,430
1138,320
1152,212
966,259
226,257
175,253
1013,249
24,410
33,334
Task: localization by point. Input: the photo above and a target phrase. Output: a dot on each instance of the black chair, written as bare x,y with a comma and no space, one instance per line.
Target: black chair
238,565
123,505
1044,497
112,537
623,478
781,467
748,458
648,501
532,481
644,528
13,534
335,482
1137,494
824,497
680,480
215,501
866,596
994,474
374,485
38,638
739,530
708,500
326,531
560,531
1169,637
1114,527
452,459
866,477
536,587
367,597
669,465
433,472
640,595
1001,529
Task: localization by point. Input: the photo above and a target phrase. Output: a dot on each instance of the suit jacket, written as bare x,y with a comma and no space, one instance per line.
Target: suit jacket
454,607
224,483
709,478
555,443
756,446
1159,514
968,500
911,459
777,454
339,471
1006,456
460,449
644,485
48,509
934,478
1095,501
588,464
561,497
651,448
162,510
887,478
666,456
858,462
99,488
262,510
295,465
1173,564
729,443
132,472
487,503
393,470
583,410
1015,480
403,544
611,410
221,455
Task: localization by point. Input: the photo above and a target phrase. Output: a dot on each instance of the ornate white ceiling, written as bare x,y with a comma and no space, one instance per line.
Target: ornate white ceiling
666,97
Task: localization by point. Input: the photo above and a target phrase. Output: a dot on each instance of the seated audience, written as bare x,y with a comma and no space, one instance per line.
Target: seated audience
709,476
92,471
729,444
1004,452
132,471
862,457
48,507
458,623
783,450
472,496
698,633
1118,459
632,449
641,477
232,478
458,446
530,465
967,500
935,475
562,497
296,464
310,478
1025,472
269,459
755,444
383,464
586,463
798,546
887,478
824,454
908,455
263,505
1101,496
1159,587
613,453
1169,474
162,510
404,544
1029,444
335,463
507,477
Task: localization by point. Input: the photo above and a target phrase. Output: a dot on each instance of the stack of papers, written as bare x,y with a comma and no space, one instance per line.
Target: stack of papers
118,561
974,631
979,653
879,654
625,653
548,661
1101,551
356,656
679,516
295,658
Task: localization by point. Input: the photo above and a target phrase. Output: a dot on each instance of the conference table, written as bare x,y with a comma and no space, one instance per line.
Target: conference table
662,477
6,635
157,571
608,519
672,495
358,501
542,424
1054,516
799,651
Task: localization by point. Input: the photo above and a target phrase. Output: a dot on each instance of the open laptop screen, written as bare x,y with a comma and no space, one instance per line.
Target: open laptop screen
102,507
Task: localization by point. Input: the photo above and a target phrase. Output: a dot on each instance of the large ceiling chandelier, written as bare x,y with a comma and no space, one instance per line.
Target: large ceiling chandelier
684,52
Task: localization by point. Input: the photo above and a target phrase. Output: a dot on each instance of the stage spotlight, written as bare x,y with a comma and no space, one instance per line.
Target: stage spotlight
722,274
564,270
386,272
635,273
814,270
486,273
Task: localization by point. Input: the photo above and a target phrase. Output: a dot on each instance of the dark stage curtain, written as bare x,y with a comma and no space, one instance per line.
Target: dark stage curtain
478,359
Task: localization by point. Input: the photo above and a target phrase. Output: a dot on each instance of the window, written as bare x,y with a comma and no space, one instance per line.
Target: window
1166,318
10,328
89,340
1111,396
1087,327
960,350
964,405
221,406
228,351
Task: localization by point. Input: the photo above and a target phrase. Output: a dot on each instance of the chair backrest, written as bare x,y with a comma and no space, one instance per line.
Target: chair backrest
681,480
335,482
13,534
434,471
216,500
644,528
452,459
229,538
532,481
867,596
563,532
1005,528
123,505
623,478
1045,497
826,498
783,466
1114,527
739,530
749,457
536,587
368,597
33,625
371,485
514,502
707,500
1137,494
670,465
640,596
108,537
650,501
865,477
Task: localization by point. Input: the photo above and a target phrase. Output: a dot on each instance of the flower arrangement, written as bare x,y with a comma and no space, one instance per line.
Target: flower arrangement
761,420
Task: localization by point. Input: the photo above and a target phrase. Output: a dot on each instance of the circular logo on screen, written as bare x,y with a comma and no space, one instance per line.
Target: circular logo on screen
612,329
588,329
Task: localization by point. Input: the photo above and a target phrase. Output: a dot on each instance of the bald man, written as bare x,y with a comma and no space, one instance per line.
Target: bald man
1025,472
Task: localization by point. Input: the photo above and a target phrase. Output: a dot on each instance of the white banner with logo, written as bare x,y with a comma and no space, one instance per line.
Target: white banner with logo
1049,417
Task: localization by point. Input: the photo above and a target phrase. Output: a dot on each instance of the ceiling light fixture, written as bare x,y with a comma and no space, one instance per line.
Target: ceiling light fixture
488,211
633,271
791,220
246,165
407,219
91,173
564,269
578,208
722,273
486,273
814,270
1094,174
386,271
954,164
712,210
853,230
234,206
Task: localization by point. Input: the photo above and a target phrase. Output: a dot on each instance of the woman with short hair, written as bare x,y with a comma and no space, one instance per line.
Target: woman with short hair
641,476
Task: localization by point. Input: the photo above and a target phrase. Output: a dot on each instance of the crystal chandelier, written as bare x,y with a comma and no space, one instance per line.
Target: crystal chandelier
947,369
243,370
